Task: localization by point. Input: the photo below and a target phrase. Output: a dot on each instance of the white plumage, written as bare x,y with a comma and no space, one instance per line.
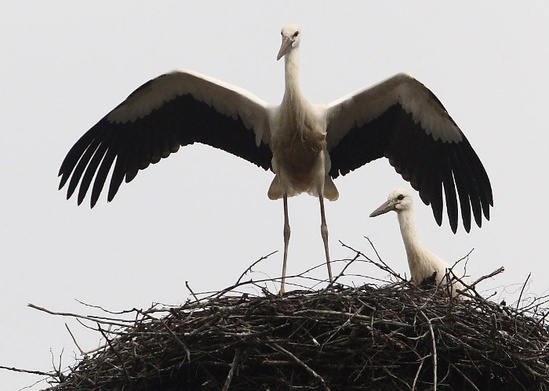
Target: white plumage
304,144
423,263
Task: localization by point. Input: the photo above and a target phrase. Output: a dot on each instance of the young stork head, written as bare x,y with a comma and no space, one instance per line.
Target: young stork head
399,200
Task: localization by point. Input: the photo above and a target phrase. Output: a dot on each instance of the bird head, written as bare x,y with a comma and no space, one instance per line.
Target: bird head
291,36
399,200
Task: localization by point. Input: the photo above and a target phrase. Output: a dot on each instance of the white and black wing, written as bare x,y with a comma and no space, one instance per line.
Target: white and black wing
402,120
172,110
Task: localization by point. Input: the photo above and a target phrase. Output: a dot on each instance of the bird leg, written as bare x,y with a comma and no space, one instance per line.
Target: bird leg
324,234
286,241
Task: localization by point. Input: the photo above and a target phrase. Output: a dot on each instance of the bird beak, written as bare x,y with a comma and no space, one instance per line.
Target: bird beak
284,48
387,206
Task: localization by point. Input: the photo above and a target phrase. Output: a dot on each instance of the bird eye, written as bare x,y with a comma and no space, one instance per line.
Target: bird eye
400,197
296,34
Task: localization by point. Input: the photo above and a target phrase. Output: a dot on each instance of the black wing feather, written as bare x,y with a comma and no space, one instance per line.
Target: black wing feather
90,171
429,165
101,176
132,146
461,179
81,166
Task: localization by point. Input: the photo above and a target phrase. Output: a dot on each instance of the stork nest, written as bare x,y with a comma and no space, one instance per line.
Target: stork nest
384,336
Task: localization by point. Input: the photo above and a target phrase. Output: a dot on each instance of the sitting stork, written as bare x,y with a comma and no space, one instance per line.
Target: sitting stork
305,145
423,263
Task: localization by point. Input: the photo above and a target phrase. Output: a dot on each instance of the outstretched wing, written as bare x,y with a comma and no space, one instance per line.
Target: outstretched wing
172,110
402,120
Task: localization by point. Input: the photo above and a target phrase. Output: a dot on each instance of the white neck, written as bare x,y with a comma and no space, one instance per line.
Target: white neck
421,261
408,228
414,248
291,68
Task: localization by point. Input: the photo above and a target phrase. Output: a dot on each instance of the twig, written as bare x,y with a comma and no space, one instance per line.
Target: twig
230,375
342,272
490,275
58,371
115,351
522,290
178,340
385,267
417,373
374,248
465,257
95,319
74,340
305,366
465,377
249,268
434,347
29,371
341,326
190,290
105,310
381,264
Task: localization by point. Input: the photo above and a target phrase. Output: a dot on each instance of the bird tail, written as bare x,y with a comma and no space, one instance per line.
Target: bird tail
330,189
275,190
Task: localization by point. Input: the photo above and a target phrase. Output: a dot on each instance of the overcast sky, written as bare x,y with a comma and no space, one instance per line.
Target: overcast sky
203,215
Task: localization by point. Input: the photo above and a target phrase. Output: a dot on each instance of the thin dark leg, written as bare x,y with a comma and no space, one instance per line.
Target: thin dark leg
286,242
324,234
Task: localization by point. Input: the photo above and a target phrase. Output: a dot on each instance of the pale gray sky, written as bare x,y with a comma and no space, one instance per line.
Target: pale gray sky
202,215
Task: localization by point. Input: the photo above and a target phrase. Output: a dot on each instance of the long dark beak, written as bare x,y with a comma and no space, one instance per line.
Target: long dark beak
387,206
284,48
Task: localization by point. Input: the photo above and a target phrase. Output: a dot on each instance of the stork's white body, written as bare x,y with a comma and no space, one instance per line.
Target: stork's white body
298,140
305,145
